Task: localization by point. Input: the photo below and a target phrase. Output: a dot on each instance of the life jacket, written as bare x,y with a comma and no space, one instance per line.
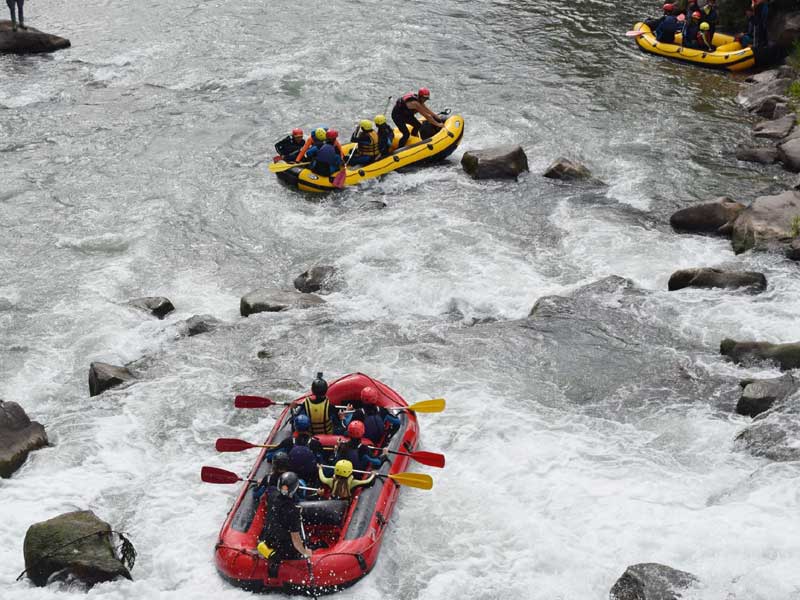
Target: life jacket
373,428
318,413
371,147
403,100
303,462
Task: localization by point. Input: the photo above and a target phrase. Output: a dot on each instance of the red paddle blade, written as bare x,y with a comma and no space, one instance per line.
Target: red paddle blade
341,177
432,459
232,445
215,475
252,402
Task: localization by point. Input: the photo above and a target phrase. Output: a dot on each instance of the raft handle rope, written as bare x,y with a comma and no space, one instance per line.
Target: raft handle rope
126,551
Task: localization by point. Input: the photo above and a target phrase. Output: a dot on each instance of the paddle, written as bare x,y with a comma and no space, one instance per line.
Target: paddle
257,402
434,405
424,406
415,480
432,459
635,33
280,167
234,445
215,475
341,176
308,561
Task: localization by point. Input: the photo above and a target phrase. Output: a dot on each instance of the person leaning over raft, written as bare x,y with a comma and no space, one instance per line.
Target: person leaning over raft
281,539
290,146
11,6
404,110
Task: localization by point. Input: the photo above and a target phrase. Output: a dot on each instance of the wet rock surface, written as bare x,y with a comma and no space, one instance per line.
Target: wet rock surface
717,278
710,217
501,162
567,170
775,129
759,395
651,581
320,277
28,41
197,324
103,376
767,223
758,154
158,306
275,300
789,154
18,437
774,434
752,95
785,356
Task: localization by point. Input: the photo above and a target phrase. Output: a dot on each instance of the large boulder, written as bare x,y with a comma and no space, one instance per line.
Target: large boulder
717,278
752,95
786,356
758,395
782,72
103,376
75,545
711,217
774,434
651,581
18,436
767,222
28,41
501,162
158,306
777,129
771,107
275,300
319,277
567,170
763,155
789,153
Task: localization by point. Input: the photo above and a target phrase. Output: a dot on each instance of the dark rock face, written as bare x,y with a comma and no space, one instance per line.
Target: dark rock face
763,155
158,306
18,436
767,222
30,41
275,300
777,129
789,154
320,277
793,250
716,278
786,356
90,560
198,324
566,170
502,162
706,218
774,434
759,395
651,581
751,96
785,29
103,376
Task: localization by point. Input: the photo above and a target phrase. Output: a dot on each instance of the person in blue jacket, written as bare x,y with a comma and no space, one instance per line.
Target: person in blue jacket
377,420
690,30
760,14
328,159
668,27
358,454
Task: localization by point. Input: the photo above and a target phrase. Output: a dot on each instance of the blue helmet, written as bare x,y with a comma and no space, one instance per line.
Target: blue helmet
302,423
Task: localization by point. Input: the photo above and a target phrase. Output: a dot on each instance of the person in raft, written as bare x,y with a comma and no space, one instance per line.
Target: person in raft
330,157
704,38
357,453
280,464
377,420
385,135
691,28
314,142
746,38
368,144
281,538
325,417
710,16
404,110
12,4
668,25
343,483
290,146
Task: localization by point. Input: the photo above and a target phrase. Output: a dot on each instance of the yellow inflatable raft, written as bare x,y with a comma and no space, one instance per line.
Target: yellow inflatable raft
729,53
417,151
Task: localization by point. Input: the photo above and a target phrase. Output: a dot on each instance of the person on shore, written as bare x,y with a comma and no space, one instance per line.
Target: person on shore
313,144
668,25
325,417
710,16
367,139
281,538
18,4
703,38
690,30
343,483
760,15
385,135
405,109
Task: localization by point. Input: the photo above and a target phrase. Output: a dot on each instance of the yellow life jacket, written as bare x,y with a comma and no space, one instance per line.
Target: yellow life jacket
318,413
371,148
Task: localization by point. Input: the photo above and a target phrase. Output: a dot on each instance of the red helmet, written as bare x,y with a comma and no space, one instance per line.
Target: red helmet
424,93
369,395
332,134
668,7
297,132
355,430
697,15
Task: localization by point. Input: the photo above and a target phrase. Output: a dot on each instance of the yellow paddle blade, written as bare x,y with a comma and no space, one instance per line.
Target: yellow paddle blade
428,406
416,480
281,166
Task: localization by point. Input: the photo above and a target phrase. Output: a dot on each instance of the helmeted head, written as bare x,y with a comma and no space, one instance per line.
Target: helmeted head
366,125
302,423
343,468
288,484
696,15
423,93
681,17
280,462
297,133
668,8
380,119
319,134
369,395
704,26
332,135
355,430
319,387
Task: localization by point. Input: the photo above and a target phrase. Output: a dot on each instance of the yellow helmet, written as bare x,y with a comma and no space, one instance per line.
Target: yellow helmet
320,133
705,26
343,468
366,125
380,119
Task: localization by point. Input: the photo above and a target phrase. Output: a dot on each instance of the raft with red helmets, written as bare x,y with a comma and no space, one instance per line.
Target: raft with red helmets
352,530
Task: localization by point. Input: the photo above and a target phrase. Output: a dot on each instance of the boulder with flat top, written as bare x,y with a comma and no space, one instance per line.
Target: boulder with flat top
768,222
103,376
717,278
276,300
711,217
775,129
567,170
759,395
318,277
766,155
786,356
651,581
18,437
789,153
501,162
28,41
753,95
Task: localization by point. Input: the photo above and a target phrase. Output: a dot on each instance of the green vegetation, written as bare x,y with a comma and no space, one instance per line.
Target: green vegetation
795,230
793,60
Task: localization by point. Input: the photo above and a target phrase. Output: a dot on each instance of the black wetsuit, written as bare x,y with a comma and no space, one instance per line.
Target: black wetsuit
283,519
19,3
404,117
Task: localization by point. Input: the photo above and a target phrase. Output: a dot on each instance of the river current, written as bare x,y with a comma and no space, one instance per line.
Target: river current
133,164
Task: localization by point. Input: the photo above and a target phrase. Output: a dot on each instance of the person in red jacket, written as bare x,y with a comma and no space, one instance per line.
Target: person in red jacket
404,110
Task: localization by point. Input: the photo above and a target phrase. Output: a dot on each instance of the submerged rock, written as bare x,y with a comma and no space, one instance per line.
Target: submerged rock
711,217
198,324
28,41
319,277
373,205
767,222
502,162
566,170
275,300
776,129
651,581
716,278
774,434
18,437
158,306
759,395
786,356
90,559
103,376
754,94
765,155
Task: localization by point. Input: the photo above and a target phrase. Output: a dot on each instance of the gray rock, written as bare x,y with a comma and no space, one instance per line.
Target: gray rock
319,277
777,129
651,581
774,434
767,107
103,376
793,250
786,356
763,155
49,553
18,437
158,306
781,72
198,324
789,154
502,162
550,305
759,395
784,28
30,41
566,170
795,134
716,278
767,222
275,300
753,95
781,109
711,217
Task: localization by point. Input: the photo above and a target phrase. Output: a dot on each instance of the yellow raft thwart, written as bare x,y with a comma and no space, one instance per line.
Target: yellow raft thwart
729,53
417,151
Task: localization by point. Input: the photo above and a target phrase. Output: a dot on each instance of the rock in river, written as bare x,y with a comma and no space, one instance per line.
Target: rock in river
502,162
18,436
275,300
786,356
28,41
651,581
767,223
766,155
717,278
158,306
758,395
776,129
567,170
103,376
319,277
710,217
752,95
774,434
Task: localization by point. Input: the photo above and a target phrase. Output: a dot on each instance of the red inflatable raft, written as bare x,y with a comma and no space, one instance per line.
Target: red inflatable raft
352,531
